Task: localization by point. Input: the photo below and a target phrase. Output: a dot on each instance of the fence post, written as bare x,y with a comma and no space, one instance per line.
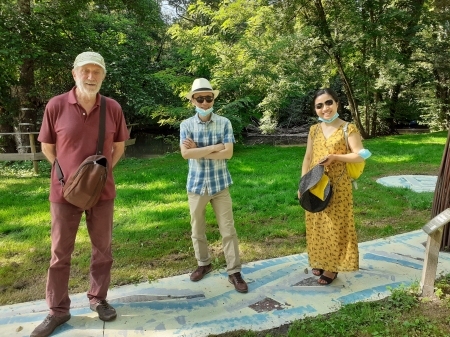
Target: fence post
33,150
434,230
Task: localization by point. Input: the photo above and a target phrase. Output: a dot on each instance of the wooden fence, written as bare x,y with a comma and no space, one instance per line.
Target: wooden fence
36,156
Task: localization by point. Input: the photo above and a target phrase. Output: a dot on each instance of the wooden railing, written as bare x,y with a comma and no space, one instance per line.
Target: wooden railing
36,156
434,230
130,141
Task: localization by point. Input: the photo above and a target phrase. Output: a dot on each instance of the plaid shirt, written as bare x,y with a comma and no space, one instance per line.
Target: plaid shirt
203,173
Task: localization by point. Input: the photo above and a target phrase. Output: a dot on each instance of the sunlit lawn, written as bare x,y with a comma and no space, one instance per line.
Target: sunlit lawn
151,228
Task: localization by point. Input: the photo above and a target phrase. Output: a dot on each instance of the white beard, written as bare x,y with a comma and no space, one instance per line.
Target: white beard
87,90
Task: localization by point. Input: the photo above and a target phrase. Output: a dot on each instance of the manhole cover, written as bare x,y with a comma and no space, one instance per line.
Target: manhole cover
266,304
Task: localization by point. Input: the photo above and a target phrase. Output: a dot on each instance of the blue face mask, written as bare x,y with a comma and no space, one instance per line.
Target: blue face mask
204,113
336,115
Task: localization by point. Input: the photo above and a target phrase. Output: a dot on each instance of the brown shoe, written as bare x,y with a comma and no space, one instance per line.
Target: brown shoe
105,311
201,271
49,325
239,284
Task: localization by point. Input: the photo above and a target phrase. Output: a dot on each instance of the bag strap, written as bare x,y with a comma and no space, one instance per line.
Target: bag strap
100,141
354,183
346,135
59,173
101,127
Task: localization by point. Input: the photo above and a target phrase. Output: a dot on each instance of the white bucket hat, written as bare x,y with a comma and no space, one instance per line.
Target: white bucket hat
89,57
201,85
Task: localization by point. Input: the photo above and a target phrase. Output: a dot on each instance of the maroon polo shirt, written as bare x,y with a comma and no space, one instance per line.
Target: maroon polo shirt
75,134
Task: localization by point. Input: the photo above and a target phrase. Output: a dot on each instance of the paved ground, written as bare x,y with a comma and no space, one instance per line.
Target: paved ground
416,183
281,290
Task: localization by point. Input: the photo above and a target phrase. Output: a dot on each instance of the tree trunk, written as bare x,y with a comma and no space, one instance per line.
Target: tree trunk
441,200
442,94
333,50
376,100
26,116
406,51
393,107
7,144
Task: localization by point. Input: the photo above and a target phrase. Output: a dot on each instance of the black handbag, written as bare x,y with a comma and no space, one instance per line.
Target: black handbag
309,200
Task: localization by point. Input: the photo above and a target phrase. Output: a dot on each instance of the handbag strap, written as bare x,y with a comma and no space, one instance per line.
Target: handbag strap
59,173
346,135
354,183
100,141
101,127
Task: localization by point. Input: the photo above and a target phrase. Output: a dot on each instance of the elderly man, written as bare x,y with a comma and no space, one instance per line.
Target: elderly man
206,140
69,133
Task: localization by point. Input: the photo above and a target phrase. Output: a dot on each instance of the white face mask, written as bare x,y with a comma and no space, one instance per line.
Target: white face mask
336,115
203,112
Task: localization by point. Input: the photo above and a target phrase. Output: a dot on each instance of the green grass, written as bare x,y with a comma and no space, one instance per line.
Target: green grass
151,237
403,314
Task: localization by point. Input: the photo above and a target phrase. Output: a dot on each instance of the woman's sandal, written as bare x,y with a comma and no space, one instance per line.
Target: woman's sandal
327,279
317,272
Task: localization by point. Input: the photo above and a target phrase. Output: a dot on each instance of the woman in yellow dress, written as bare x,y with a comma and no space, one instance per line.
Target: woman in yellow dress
331,239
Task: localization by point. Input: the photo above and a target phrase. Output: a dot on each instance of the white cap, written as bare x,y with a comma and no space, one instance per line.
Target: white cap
89,57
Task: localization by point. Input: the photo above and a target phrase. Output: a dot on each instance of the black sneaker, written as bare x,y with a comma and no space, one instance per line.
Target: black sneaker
105,311
49,325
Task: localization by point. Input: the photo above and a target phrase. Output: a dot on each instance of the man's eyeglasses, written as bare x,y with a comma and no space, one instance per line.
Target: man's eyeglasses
201,99
327,103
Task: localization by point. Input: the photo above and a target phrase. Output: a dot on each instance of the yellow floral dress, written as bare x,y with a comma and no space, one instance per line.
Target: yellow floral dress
331,235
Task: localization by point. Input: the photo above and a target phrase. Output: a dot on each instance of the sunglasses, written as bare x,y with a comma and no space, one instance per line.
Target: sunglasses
327,103
201,99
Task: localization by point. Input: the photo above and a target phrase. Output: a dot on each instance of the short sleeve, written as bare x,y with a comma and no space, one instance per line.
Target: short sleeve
352,128
47,132
313,130
228,136
183,132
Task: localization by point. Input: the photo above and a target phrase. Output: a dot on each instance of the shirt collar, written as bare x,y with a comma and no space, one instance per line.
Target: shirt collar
73,97
212,119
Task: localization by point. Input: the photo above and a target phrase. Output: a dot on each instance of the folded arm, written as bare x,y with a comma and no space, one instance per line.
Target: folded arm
189,150
226,153
355,145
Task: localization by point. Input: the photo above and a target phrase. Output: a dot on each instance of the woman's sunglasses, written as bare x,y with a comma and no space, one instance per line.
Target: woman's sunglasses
327,103
201,99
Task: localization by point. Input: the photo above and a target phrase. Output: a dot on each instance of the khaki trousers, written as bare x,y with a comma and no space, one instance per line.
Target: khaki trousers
65,222
222,206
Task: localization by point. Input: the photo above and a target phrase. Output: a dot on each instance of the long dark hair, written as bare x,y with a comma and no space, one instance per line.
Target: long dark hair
323,91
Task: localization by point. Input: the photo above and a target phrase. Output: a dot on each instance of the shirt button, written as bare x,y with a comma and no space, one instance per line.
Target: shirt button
84,114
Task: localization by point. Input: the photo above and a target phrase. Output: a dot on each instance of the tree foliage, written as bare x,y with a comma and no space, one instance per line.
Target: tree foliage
129,35
386,58
277,52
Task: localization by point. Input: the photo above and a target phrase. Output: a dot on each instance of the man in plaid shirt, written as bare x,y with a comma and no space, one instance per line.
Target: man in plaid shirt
206,140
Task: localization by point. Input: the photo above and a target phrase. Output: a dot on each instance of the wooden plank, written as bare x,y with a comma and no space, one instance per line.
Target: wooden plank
33,150
129,142
22,156
430,263
19,133
39,156
437,222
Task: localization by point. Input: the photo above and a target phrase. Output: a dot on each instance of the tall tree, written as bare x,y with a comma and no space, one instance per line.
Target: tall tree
409,14
317,18
26,116
42,38
433,70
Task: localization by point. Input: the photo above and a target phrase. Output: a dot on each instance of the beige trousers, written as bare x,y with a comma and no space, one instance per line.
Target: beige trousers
222,206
